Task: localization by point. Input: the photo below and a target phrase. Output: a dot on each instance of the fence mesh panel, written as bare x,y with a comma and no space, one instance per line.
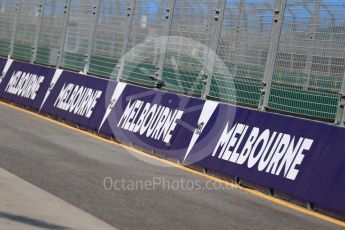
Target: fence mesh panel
243,46
51,32
192,28
144,44
78,34
7,15
109,37
26,28
311,59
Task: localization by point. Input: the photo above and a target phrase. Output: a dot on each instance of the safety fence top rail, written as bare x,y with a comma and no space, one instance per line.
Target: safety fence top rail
286,56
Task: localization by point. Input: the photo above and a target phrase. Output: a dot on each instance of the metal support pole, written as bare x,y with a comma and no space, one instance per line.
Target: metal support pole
164,43
294,27
237,38
15,23
333,21
67,10
91,44
311,46
272,54
212,52
130,15
41,8
339,118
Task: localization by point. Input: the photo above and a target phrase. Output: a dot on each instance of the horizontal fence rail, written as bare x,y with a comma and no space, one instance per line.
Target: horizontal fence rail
286,56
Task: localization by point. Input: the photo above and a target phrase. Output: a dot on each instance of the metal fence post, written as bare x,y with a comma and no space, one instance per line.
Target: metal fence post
15,23
339,118
212,52
130,15
164,45
67,9
41,8
272,53
95,13
311,45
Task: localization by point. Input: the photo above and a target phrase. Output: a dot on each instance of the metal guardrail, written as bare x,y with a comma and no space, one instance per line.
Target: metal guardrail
282,55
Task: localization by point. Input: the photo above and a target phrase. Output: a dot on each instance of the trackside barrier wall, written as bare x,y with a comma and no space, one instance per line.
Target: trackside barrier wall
301,158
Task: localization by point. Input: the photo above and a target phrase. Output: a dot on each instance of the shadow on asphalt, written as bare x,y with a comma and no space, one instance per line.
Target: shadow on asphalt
31,221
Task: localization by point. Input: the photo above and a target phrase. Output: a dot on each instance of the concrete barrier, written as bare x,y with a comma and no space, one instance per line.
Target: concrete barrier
300,158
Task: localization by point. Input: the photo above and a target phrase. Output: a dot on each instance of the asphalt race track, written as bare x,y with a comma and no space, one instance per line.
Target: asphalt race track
74,168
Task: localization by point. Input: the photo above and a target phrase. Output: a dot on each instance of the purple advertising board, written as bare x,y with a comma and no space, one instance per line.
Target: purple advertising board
77,99
301,158
152,120
2,65
25,84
